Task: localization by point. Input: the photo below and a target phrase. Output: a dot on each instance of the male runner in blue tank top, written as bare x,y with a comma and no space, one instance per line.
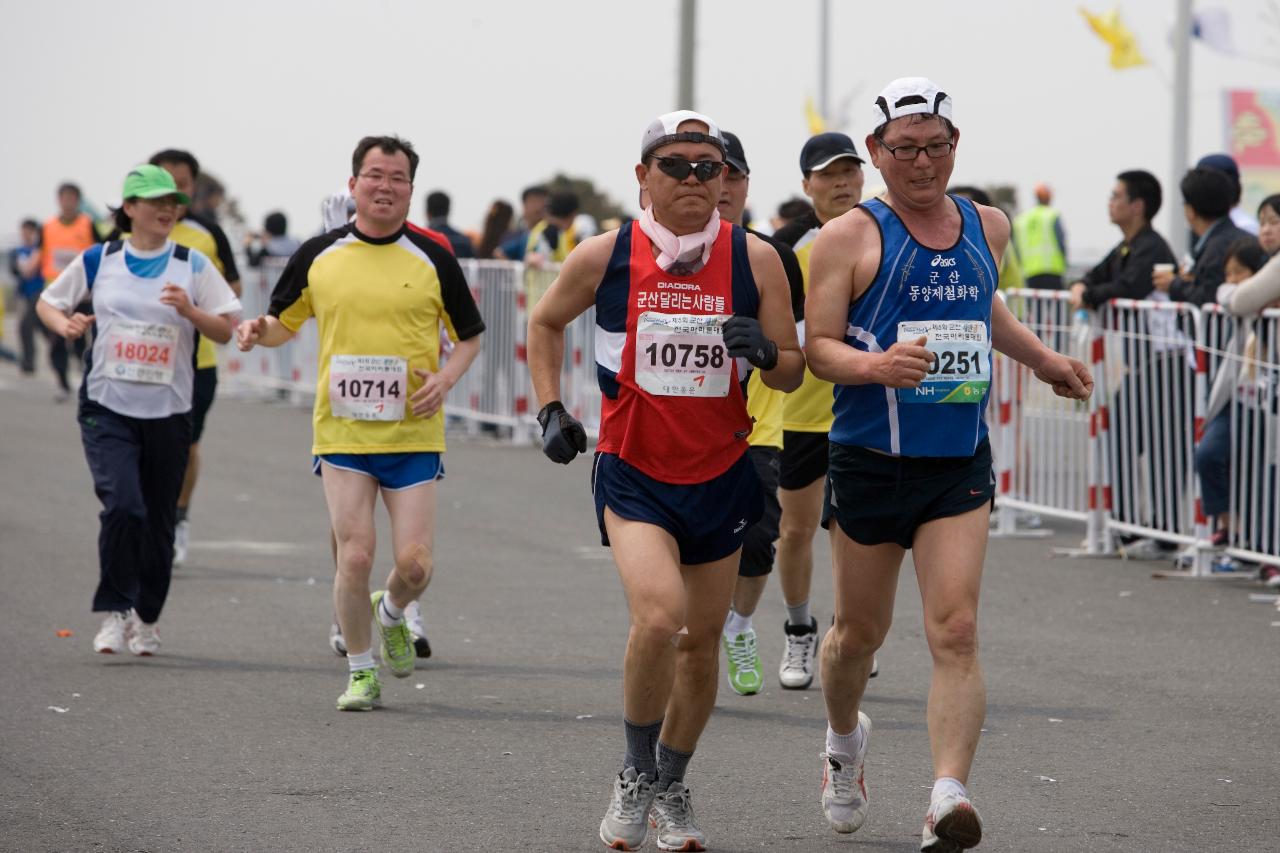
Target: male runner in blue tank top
901,317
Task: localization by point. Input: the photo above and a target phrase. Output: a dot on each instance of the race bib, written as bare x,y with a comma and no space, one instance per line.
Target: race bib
141,352
368,387
961,368
682,355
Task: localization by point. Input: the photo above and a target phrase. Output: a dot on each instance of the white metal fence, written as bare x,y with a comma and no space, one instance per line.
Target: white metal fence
1126,462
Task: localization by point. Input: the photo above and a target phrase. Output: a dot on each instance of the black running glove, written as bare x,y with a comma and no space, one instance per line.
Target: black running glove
562,434
745,339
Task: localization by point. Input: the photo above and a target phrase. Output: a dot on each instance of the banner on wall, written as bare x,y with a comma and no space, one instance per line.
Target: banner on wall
1253,138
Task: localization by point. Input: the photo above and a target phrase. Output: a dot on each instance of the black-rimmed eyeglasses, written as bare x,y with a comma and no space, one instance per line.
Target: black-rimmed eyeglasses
679,168
907,153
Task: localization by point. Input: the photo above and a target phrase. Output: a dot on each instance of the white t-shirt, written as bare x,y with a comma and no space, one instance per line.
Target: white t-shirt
142,361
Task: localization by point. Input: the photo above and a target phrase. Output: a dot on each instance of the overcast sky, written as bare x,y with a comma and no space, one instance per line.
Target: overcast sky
272,96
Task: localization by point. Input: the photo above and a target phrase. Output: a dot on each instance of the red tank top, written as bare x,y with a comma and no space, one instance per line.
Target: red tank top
680,415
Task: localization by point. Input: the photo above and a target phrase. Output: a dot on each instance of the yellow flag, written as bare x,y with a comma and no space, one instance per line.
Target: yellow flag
1124,45
817,124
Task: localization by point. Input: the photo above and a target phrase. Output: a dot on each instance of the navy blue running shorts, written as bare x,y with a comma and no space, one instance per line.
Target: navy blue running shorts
708,520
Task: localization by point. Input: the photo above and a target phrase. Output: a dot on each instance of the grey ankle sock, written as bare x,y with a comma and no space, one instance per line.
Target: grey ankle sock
672,764
642,747
798,614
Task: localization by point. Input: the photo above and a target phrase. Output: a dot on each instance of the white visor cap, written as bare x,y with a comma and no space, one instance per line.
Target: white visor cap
910,96
665,129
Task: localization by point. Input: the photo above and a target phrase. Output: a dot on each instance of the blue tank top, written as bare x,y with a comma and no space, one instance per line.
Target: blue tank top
945,295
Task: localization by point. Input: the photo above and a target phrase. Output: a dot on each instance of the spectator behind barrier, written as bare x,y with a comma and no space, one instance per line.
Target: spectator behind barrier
1041,243
1126,272
1207,196
1226,164
273,242
554,237
438,220
1262,289
789,211
497,228
533,202
1245,258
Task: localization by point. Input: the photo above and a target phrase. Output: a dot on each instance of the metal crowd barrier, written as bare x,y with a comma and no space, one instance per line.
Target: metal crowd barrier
495,394
1125,463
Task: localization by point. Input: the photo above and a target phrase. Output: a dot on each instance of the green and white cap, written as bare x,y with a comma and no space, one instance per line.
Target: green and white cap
147,181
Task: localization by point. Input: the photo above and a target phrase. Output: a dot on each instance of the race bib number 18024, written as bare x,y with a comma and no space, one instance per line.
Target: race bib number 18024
141,352
682,355
960,371
368,387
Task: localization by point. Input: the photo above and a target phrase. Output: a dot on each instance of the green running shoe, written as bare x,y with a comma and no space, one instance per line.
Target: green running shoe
363,692
746,675
396,645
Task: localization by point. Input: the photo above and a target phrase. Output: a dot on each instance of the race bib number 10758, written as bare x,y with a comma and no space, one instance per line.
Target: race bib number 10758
682,355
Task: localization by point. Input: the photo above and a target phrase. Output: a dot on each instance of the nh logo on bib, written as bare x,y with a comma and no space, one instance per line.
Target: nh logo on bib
939,261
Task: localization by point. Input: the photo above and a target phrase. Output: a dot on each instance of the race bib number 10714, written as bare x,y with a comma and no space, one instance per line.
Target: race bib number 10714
368,387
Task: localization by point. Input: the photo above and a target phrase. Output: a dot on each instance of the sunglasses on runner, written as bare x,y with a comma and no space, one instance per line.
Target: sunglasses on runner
679,168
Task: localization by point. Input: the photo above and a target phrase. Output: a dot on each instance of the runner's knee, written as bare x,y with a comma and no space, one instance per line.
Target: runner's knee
415,564
851,639
656,625
955,635
355,559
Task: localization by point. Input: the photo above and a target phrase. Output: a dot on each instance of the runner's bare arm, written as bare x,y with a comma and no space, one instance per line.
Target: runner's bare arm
216,327
1068,376
572,293
264,331
843,264
69,326
428,399
775,316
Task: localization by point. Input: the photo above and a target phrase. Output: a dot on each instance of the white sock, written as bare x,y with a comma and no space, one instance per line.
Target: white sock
736,624
848,744
364,660
798,614
947,785
388,614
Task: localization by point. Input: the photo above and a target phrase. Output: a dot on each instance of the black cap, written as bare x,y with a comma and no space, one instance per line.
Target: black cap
734,155
1221,163
824,149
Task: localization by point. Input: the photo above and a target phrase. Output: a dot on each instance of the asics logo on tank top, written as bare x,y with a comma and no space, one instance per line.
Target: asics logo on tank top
940,261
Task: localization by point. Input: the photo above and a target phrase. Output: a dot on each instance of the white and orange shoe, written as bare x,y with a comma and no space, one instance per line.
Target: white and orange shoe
951,825
844,788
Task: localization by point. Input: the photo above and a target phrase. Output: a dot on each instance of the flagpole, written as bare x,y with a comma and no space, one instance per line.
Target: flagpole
824,46
688,34
1181,124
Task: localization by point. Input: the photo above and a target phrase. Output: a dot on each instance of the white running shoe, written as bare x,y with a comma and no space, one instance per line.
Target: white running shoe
672,816
844,789
111,636
796,670
181,538
951,825
417,629
144,639
336,642
627,820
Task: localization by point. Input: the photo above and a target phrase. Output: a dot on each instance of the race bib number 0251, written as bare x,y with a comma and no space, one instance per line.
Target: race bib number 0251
960,371
141,352
682,355
368,387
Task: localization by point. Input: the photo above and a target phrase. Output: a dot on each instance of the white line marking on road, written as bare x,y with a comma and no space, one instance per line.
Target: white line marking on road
246,546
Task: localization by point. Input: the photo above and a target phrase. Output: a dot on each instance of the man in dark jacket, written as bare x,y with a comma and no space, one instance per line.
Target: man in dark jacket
1207,196
1126,270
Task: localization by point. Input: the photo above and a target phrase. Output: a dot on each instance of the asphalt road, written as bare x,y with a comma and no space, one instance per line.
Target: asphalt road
1126,713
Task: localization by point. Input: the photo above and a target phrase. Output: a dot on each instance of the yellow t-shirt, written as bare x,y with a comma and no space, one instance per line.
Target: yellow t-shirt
208,239
384,299
808,408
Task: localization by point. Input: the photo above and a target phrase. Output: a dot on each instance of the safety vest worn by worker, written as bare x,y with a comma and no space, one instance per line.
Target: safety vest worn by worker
1037,241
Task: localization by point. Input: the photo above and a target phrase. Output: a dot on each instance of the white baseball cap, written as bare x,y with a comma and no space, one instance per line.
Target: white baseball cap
910,96
664,130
